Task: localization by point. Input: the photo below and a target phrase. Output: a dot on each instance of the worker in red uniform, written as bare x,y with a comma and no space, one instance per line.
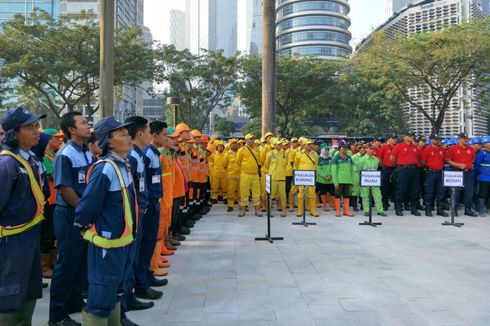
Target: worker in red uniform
461,157
387,168
433,160
406,157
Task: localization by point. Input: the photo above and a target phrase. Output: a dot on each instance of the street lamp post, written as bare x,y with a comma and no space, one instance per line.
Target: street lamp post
268,65
106,91
175,103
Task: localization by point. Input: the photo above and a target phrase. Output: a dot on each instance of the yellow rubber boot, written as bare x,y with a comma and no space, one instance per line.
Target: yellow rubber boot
300,207
313,211
283,207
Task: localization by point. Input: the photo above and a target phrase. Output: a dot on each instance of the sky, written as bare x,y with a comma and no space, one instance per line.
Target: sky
365,15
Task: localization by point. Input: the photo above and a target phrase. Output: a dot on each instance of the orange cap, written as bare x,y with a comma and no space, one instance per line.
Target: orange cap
196,133
211,148
204,139
181,127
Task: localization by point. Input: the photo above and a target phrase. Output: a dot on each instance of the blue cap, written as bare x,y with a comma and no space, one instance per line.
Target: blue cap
104,126
486,139
475,140
452,141
18,118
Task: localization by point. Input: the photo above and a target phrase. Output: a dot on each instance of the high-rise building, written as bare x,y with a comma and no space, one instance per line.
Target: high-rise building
129,99
394,6
250,26
313,28
211,25
8,9
177,29
466,112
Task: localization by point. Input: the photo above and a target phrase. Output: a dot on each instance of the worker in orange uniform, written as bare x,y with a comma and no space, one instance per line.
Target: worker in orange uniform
250,171
195,168
219,169
233,183
201,175
178,193
205,175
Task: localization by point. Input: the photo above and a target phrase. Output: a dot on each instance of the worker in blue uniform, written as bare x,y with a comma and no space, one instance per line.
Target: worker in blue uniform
70,170
21,212
151,219
482,171
107,215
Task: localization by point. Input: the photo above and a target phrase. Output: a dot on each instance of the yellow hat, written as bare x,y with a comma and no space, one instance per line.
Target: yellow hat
285,141
219,143
233,140
263,140
294,139
249,136
307,141
241,141
257,141
268,134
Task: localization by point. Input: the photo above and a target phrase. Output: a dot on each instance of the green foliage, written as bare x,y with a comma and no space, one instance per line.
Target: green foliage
224,126
202,82
59,60
437,63
254,127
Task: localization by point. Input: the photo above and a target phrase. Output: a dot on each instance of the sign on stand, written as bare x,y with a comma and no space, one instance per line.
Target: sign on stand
370,178
268,183
453,179
304,178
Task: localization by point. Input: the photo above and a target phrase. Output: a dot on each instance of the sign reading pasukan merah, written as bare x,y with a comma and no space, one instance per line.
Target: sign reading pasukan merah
453,179
370,178
304,178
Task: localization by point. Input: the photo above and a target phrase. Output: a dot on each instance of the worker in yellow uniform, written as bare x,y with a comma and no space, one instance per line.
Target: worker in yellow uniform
275,163
250,171
306,160
264,149
291,189
219,169
233,174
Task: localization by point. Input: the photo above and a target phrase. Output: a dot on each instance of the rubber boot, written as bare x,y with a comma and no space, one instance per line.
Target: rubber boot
89,319
313,211
353,200
346,208
163,259
428,210
242,211
300,208
482,210
336,204
324,202
114,318
258,212
46,265
291,202
317,197
283,208
167,249
160,272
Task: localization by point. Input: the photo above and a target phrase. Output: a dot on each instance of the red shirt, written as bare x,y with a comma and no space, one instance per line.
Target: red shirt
377,152
434,157
460,154
406,154
384,155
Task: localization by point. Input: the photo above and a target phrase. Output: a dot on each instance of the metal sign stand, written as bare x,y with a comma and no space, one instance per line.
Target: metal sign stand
268,237
303,222
453,206
370,222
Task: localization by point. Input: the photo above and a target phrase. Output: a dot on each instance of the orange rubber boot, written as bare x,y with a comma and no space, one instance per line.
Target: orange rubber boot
336,204
164,251
324,202
346,208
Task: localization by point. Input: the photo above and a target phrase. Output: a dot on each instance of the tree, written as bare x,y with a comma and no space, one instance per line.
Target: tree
224,126
59,59
202,82
304,91
437,63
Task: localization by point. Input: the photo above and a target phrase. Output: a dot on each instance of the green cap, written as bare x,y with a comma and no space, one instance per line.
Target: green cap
50,131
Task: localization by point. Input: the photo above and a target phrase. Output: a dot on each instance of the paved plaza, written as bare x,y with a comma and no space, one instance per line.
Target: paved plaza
409,271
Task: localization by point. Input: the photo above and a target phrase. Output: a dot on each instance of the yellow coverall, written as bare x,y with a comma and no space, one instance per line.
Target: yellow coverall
233,178
220,174
249,174
275,163
306,162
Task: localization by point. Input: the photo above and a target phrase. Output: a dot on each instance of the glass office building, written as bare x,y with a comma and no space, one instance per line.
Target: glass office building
313,28
9,8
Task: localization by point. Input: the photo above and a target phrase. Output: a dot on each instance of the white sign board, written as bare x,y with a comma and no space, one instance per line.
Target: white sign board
268,183
304,178
453,178
370,178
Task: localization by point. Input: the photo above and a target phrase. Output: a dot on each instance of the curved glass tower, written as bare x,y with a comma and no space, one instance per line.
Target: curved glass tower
317,28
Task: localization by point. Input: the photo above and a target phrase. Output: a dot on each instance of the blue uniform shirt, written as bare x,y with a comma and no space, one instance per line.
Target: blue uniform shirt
70,169
153,172
482,165
135,158
102,202
17,202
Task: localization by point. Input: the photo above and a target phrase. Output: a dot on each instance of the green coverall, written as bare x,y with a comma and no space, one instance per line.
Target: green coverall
371,163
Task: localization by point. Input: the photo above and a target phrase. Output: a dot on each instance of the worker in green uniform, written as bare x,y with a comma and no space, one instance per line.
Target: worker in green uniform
356,178
342,179
370,163
324,183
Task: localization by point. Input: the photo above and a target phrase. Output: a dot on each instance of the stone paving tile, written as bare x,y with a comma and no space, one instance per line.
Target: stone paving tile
409,271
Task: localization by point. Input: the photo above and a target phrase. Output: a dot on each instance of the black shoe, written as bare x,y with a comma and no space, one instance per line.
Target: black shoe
229,209
385,208
469,212
73,309
157,282
428,212
178,237
189,224
415,212
183,231
140,305
399,213
148,294
45,285
407,207
355,209
214,202
366,214
421,207
65,322
440,212
445,207
127,322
